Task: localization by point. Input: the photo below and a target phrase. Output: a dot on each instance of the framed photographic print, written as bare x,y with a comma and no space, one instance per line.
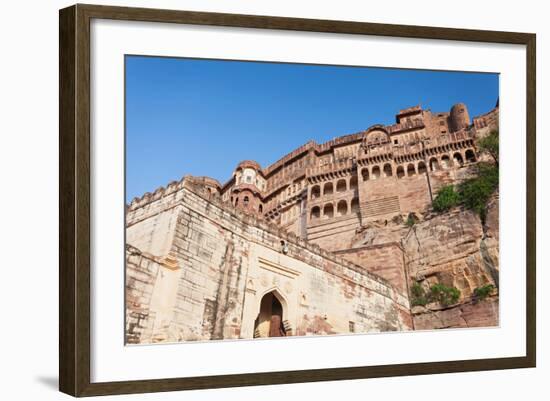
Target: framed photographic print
250,200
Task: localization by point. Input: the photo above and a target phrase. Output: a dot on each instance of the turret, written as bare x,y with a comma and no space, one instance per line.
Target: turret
246,194
459,117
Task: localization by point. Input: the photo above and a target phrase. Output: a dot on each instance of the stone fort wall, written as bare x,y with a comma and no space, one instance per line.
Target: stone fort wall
202,256
197,269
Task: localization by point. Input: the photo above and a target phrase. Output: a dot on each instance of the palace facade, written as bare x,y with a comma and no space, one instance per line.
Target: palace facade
316,242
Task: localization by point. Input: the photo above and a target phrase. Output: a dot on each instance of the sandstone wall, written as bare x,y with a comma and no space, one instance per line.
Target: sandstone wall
141,273
334,234
386,261
385,197
210,282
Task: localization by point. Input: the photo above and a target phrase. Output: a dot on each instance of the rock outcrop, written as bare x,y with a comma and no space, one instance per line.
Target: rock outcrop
457,250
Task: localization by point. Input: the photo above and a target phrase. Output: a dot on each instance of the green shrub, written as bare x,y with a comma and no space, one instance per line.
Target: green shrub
438,293
445,199
410,221
490,145
418,295
445,295
480,293
475,192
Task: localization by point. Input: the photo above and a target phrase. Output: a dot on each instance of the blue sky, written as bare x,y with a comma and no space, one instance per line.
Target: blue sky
201,117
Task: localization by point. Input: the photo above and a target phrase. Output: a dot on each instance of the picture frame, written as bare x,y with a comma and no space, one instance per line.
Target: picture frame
75,204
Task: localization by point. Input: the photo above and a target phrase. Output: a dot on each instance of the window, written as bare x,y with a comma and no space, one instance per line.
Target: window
351,327
470,156
457,157
365,174
422,168
400,172
315,192
328,189
315,213
375,172
245,201
395,142
434,166
341,186
387,170
328,211
445,162
342,208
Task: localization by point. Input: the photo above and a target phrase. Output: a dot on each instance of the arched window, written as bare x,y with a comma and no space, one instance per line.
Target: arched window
375,172
341,186
261,209
387,170
236,201
410,170
434,165
342,208
315,213
365,174
470,156
245,201
328,189
328,211
457,157
445,162
315,192
355,205
421,168
400,172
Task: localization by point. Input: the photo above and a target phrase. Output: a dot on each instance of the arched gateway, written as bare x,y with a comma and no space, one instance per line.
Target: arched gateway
270,320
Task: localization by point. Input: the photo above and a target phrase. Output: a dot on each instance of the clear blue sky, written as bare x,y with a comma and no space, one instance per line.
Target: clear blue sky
201,117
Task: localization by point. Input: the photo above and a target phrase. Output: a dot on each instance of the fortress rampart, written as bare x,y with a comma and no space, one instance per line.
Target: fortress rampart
317,236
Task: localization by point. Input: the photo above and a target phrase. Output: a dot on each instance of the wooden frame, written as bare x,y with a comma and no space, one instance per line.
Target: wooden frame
74,203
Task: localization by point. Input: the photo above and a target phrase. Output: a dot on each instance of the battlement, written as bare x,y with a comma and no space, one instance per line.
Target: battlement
196,188
290,238
359,169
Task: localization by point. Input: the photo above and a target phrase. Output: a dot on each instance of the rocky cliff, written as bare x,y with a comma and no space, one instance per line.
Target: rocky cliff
457,250
454,249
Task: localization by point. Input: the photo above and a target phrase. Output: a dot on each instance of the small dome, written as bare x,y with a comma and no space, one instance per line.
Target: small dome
249,164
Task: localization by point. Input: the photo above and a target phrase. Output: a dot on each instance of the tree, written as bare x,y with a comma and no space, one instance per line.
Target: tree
489,145
446,199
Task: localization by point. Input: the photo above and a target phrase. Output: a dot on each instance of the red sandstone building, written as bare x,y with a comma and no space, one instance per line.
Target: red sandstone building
316,242
320,190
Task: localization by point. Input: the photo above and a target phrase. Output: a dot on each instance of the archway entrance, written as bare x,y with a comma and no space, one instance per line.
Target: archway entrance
269,322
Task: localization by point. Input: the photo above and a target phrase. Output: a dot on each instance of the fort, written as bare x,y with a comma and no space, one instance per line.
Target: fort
317,243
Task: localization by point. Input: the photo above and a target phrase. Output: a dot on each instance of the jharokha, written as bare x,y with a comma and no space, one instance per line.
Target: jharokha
333,238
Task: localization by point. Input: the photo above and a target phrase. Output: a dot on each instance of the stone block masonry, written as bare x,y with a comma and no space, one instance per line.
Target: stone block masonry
210,282
330,239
